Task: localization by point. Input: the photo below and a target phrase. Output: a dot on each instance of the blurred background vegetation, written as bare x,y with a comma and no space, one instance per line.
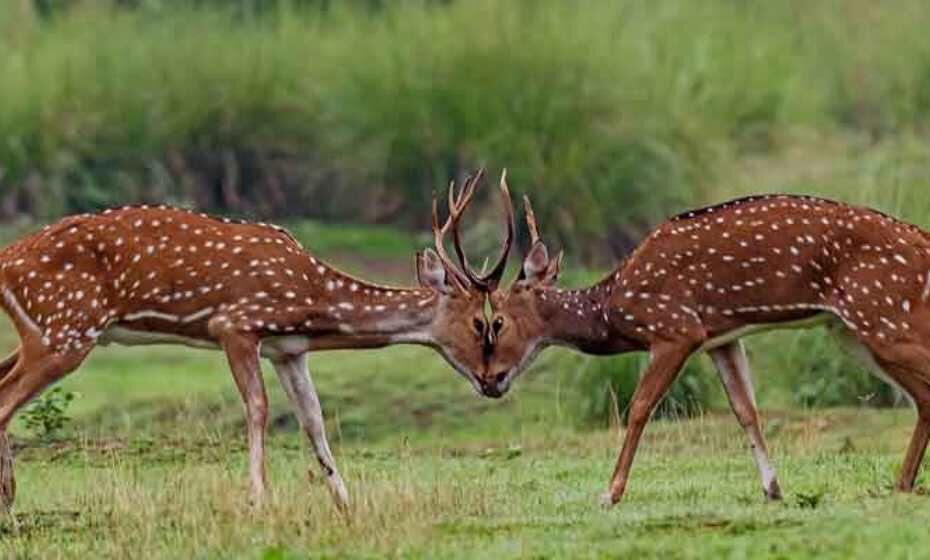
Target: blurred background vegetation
612,115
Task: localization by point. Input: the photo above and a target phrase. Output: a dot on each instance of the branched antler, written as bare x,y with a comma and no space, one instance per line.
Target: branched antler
461,281
493,278
465,276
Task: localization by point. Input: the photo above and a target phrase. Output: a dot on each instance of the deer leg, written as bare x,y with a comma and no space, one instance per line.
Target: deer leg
908,366
25,380
733,369
6,366
662,370
297,383
919,392
242,355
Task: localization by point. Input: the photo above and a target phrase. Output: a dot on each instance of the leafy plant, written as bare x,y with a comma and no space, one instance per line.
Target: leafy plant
810,500
47,415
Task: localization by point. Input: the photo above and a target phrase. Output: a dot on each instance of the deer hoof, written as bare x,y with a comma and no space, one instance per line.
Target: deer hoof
773,493
607,500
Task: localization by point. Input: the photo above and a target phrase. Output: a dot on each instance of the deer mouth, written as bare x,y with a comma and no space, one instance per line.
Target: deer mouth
492,392
497,387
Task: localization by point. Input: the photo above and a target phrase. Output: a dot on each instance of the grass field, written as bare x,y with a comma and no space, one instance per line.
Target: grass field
472,481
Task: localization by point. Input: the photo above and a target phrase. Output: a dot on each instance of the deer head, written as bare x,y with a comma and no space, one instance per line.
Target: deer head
460,329
519,322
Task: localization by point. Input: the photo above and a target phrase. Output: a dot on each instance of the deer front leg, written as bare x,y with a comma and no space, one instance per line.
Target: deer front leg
242,354
733,369
662,370
295,378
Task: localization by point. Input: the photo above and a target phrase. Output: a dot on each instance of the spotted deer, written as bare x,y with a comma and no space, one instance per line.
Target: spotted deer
704,279
144,275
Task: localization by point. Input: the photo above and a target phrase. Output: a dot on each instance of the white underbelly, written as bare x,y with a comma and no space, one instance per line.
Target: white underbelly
746,330
115,334
270,347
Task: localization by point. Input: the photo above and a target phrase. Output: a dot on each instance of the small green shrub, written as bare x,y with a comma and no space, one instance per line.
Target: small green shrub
814,370
47,415
607,386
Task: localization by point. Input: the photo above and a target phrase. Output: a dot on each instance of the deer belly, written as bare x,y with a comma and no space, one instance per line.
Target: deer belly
745,330
126,336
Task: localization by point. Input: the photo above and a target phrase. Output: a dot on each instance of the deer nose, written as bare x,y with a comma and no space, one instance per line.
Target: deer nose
491,386
491,391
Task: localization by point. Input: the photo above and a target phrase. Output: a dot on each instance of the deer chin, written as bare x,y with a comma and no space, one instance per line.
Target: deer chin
503,386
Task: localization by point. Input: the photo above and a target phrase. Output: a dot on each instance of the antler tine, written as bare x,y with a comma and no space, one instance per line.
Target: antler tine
450,196
458,204
531,220
493,278
439,234
457,209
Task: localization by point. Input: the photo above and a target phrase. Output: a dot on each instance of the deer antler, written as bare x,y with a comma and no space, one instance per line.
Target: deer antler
461,281
530,220
464,276
487,282
493,278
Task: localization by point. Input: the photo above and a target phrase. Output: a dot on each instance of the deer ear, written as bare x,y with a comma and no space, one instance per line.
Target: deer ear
430,272
552,271
536,263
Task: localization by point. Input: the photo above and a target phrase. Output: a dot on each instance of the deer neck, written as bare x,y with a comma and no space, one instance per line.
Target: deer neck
579,319
363,315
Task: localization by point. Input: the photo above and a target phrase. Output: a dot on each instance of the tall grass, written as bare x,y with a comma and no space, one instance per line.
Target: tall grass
612,114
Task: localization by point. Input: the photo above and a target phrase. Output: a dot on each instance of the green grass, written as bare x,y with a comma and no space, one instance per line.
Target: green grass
530,492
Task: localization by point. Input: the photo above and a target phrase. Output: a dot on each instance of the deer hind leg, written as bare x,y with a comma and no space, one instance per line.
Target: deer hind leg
920,395
32,372
7,482
242,355
663,368
906,365
733,369
32,367
295,378
911,382
909,367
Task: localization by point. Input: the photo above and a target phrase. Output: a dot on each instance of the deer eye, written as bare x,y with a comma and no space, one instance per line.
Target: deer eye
479,326
497,325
